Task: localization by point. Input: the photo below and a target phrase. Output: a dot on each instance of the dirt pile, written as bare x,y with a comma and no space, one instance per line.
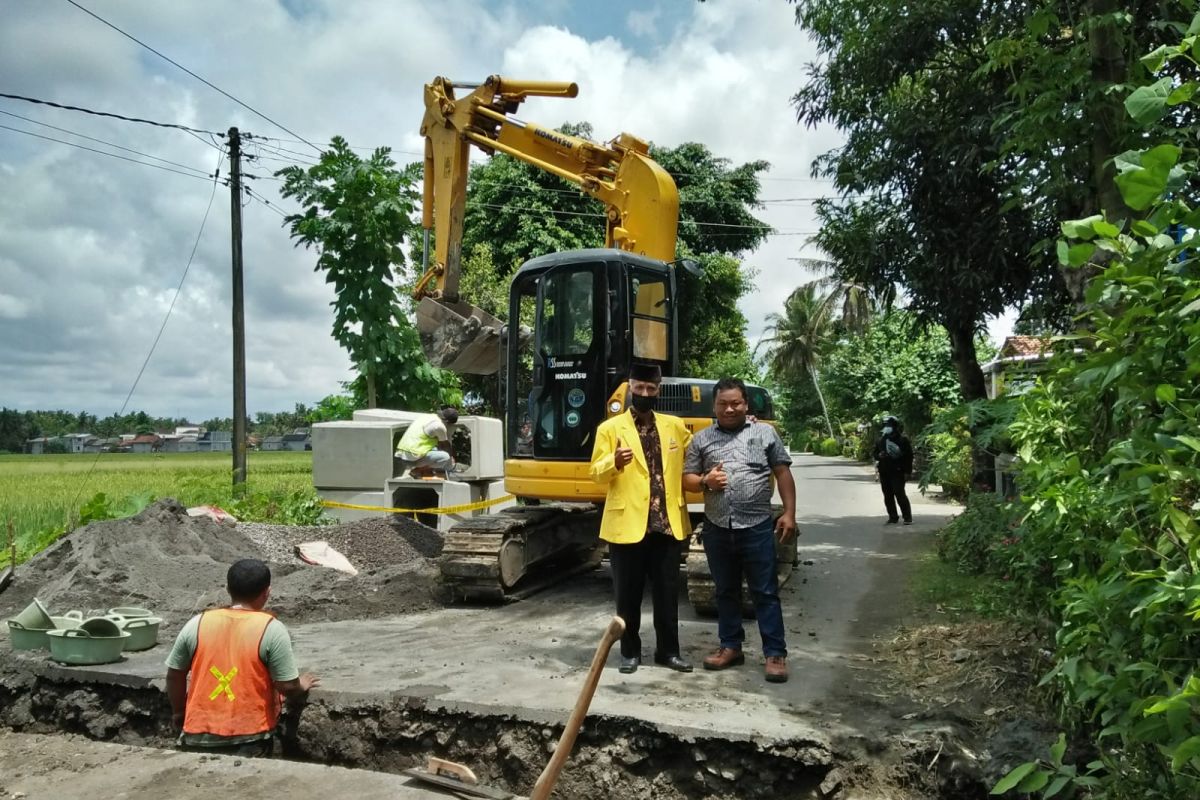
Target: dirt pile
175,565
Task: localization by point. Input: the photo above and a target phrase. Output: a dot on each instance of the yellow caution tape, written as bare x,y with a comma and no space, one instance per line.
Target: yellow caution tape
445,510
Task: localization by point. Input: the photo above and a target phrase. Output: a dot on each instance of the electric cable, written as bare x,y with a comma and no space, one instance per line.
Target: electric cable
100,141
105,113
154,345
197,174
211,85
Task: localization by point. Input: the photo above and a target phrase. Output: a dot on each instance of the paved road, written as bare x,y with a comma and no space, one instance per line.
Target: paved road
528,659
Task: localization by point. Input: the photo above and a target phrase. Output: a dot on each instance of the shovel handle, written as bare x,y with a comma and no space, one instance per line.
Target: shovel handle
545,782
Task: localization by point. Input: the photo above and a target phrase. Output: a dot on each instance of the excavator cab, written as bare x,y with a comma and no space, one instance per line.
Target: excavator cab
592,313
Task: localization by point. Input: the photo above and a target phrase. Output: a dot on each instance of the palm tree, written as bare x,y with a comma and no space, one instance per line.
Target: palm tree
855,303
797,339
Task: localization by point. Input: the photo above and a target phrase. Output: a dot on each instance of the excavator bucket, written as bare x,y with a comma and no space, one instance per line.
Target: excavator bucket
459,337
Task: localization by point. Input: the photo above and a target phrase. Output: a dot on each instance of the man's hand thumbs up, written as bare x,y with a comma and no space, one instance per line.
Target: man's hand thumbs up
716,480
623,455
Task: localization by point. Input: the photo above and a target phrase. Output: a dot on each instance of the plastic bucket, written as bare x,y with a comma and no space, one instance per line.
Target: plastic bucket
143,633
101,626
23,638
75,646
35,617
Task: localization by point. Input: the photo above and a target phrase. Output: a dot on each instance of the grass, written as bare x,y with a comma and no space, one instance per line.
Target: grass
42,492
941,586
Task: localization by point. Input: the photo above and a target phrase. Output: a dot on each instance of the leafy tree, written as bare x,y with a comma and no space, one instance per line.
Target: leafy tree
16,428
896,366
332,408
712,328
357,213
1068,65
924,207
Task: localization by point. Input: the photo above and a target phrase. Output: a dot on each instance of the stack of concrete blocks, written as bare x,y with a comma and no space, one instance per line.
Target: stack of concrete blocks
353,462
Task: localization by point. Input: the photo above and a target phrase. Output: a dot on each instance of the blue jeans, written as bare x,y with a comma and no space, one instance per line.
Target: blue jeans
731,553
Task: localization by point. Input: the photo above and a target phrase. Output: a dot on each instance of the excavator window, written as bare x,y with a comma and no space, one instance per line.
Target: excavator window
567,314
565,399
650,305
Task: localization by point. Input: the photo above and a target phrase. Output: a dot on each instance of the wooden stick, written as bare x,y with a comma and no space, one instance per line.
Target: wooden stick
12,547
545,782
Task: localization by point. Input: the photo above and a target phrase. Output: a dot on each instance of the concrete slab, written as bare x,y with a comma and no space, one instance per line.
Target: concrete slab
38,767
527,660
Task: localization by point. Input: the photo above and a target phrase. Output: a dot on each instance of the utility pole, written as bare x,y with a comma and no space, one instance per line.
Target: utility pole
239,316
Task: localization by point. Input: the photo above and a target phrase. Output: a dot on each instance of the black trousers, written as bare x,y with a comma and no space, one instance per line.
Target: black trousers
892,482
654,558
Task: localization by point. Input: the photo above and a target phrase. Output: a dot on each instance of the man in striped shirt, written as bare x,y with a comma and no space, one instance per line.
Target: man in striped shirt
733,462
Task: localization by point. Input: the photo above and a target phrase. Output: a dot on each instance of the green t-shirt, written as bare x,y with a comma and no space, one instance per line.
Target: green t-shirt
275,650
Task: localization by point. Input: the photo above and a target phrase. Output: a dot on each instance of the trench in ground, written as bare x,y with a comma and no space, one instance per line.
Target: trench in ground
613,756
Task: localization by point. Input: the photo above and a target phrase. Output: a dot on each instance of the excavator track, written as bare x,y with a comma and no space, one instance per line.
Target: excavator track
505,556
702,592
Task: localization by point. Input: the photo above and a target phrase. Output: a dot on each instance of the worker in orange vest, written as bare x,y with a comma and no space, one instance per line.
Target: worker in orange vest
240,664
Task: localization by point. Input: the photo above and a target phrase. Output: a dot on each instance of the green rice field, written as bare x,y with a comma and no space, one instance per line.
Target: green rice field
42,492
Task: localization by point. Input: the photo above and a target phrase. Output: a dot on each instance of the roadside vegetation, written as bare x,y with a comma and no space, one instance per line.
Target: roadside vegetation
1042,156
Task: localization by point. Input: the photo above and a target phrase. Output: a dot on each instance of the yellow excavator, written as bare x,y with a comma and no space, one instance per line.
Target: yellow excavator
594,312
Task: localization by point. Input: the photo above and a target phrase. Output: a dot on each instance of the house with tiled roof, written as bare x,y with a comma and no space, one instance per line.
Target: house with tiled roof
1016,367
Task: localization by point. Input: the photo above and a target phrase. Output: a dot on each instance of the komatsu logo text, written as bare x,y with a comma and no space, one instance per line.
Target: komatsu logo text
557,138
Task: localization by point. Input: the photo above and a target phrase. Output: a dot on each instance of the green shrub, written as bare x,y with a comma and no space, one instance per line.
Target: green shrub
851,445
828,447
948,463
1110,463
981,539
301,507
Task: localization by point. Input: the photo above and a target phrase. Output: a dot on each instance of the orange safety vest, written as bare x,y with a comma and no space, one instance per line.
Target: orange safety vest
230,691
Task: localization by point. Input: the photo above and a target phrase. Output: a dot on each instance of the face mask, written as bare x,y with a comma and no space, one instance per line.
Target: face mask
643,402
887,431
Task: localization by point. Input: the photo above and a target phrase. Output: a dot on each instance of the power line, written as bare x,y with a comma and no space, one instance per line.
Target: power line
264,201
100,141
677,174
194,75
197,174
106,113
154,345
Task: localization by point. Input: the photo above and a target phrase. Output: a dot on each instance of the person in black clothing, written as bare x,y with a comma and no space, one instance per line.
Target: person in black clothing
894,463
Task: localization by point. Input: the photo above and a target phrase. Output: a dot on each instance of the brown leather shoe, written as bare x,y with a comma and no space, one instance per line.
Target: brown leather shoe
776,670
724,658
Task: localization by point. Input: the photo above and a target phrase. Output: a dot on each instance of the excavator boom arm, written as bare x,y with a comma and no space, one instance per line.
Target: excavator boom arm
640,198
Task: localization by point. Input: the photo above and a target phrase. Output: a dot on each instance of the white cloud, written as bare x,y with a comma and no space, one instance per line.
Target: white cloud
643,23
92,248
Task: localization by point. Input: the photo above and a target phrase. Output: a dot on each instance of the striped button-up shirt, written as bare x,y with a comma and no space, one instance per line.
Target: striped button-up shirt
748,456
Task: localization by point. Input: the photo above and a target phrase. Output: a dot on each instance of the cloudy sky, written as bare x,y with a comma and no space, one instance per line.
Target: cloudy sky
92,247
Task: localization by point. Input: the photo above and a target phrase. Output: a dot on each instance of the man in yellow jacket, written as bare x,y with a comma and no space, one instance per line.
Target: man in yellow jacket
640,456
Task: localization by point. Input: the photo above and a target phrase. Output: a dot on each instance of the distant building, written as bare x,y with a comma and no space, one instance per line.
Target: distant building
37,446
300,439
176,443
215,442
1016,367
272,443
146,443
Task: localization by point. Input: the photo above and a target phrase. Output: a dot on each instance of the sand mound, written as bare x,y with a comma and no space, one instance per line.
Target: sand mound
175,565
